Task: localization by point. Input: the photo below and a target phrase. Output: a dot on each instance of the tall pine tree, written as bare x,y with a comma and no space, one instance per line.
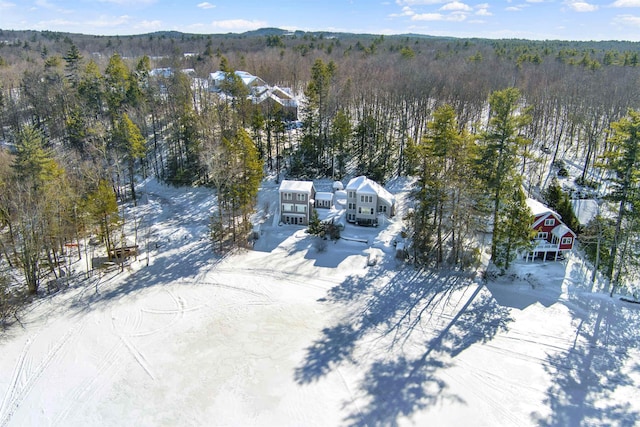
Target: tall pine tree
500,145
622,160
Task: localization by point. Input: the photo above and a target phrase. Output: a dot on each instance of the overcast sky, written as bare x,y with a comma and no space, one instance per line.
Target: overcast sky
529,19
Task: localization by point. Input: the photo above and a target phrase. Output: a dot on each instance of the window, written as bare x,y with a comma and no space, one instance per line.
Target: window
359,210
549,221
567,240
301,208
352,194
301,197
287,196
382,208
371,211
287,207
542,235
352,205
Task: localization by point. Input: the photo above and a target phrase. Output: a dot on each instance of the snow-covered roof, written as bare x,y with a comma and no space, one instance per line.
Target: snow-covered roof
299,186
337,185
364,185
161,72
324,195
560,230
282,93
217,75
538,208
356,182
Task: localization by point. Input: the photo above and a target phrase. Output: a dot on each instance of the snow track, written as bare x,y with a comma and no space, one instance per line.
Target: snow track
258,338
25,376
79,396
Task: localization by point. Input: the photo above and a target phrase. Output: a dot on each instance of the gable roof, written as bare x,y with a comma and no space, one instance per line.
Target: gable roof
541,212
561,230
299,186
363,185
538,208
324,195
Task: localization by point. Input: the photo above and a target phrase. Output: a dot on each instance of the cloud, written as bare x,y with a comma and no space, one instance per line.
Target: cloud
109,21
406,11
483,12
5,5
626,3
456,6
418,2
56,23
581,6
134,3
453,17
45,4
628,20
149,25
233,25
206,5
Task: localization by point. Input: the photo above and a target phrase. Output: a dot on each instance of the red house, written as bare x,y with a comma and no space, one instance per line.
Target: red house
553,237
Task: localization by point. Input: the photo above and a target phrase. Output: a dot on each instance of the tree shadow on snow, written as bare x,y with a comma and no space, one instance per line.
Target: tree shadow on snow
394,328
166,268
586,376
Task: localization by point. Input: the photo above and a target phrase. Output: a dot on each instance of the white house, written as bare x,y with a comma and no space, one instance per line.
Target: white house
296,201
261,93
366,199
252,82
324,199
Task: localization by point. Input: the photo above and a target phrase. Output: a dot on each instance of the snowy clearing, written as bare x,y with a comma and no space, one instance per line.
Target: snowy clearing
286,335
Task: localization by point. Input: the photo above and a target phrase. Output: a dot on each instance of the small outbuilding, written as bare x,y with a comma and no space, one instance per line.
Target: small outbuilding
324,200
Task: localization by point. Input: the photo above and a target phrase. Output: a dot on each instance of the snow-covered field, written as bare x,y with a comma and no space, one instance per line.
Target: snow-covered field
286,335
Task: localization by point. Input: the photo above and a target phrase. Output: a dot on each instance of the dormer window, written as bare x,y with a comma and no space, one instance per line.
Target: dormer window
549,222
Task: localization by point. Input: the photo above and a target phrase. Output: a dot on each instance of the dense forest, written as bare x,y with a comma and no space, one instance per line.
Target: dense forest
479,124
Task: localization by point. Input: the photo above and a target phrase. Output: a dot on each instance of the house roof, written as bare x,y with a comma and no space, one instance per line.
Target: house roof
163,72
364,185
562,230
538,208
324,195
299,186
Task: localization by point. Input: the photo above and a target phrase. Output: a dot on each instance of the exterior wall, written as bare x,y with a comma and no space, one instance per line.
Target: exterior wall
385,208
366,211
364,204
548,227
545,226
326,204
352,205
566,246
295,207
290,112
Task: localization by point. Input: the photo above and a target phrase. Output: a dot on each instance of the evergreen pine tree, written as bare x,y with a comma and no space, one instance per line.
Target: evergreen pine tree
623,160
500,145
513,231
